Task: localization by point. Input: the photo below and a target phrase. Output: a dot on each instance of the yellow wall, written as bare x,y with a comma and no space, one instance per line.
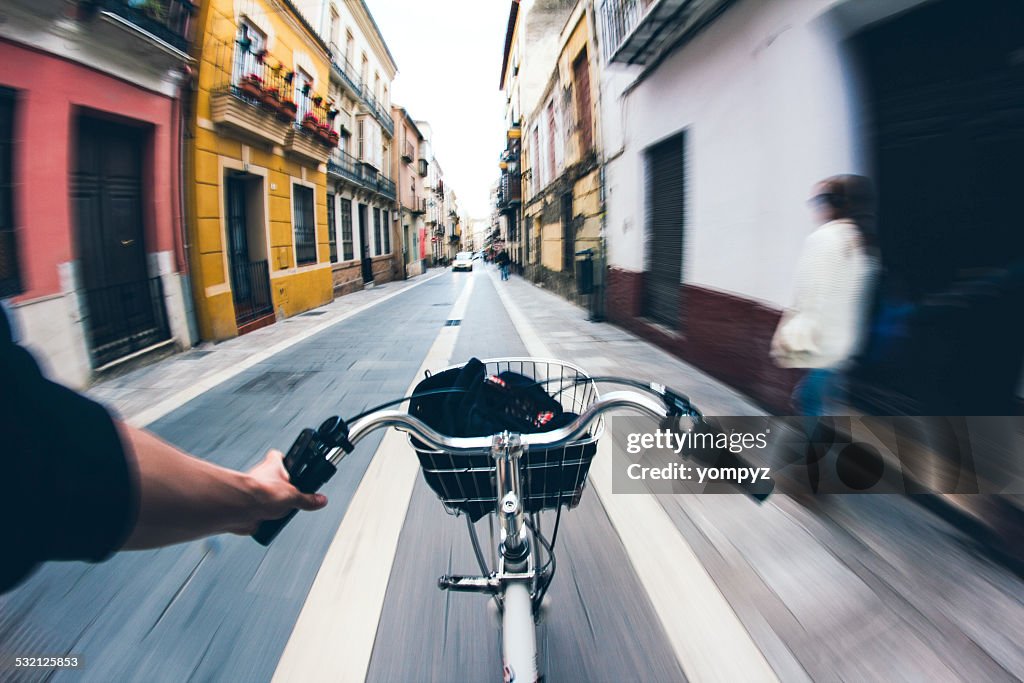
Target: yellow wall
214,151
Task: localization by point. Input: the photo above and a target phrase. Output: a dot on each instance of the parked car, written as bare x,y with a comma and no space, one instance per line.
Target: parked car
463,261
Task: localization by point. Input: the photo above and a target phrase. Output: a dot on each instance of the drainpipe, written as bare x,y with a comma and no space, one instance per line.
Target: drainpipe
185,82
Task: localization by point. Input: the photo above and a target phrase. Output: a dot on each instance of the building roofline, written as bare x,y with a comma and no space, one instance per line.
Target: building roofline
510,30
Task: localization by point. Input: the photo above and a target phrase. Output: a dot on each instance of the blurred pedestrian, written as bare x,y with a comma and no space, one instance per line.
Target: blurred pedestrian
81,485
826,325
503,262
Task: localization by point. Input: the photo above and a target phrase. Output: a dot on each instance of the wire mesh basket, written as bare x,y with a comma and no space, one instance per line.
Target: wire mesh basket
551,477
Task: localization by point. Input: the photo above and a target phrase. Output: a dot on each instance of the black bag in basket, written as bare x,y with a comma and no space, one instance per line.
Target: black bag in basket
489,404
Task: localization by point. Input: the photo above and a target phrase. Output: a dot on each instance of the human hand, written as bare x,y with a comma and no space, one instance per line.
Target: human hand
275,495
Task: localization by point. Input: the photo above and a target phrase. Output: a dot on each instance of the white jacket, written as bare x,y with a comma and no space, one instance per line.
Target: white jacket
835,277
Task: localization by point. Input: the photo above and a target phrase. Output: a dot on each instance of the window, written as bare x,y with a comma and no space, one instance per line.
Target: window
384,98
551,141
384,213
535,170
332,234
378,237
302,101
364,70
10,276
334,29
245,59
305,226
581,74
568,233
349,46
361,139
376,86
347,251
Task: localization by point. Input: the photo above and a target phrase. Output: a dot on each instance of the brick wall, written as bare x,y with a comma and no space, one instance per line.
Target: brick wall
727,336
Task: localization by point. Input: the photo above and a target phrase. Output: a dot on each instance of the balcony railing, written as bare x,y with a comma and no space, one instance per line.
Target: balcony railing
345,71
250,290
347,166
510,190
422,168
378,111
125,318
408,152
640,31
172,21
258,98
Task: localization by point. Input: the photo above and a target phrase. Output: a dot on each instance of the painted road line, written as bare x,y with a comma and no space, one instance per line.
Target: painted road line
154,413
334,635
709,641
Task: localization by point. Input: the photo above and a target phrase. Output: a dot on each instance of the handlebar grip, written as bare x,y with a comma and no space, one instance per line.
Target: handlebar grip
309,481
308,470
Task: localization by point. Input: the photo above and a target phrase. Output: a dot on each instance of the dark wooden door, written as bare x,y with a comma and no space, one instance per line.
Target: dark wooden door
364,243
125,306
238,239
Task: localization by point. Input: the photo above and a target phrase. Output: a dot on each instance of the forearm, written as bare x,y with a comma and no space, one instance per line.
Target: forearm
182,498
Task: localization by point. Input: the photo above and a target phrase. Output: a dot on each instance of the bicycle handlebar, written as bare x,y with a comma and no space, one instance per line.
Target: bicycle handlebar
313,458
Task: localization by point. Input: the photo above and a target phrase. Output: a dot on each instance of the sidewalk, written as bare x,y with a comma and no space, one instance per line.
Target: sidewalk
604,349
144,395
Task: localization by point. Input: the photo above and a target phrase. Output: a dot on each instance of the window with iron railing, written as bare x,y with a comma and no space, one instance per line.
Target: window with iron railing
378,240
332,235
347,250
305,225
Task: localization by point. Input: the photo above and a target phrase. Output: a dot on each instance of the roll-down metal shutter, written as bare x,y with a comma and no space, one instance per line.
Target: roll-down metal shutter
665,220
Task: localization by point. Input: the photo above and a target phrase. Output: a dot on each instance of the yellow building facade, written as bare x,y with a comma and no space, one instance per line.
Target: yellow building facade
261,128
560,157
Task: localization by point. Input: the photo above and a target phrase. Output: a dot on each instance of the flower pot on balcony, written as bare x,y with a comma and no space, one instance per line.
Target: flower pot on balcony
310,125
334,138
271,100
252,86
286,111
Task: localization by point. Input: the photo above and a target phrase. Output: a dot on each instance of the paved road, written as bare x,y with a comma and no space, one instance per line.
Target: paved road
860,588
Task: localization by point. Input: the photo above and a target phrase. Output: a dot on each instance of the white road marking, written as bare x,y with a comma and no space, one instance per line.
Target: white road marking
154,413
334,635
709,641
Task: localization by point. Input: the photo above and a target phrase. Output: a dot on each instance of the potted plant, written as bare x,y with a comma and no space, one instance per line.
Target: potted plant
260,55
252,85
310,124
334,137
332,114
306,88
317,100
324,132
272,99
286,111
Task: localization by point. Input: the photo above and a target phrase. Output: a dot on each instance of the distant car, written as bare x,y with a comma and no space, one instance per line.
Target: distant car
463,261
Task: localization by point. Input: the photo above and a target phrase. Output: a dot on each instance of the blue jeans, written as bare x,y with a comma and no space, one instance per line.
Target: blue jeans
815,394
504,271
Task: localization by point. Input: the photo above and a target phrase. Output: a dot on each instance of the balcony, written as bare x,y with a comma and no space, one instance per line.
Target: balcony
640,31
169,21
419,207
256,101
379,112
344,165
342,68
408,153
510,192
421,168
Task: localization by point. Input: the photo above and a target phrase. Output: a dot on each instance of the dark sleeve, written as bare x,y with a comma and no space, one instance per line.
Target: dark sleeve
70,487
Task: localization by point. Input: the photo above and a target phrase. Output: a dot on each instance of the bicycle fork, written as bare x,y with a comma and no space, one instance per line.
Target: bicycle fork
516,576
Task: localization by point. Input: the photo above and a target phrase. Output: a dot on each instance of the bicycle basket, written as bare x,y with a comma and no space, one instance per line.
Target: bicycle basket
551,477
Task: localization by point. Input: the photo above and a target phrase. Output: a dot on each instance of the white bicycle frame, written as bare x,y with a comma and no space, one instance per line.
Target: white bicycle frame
517,574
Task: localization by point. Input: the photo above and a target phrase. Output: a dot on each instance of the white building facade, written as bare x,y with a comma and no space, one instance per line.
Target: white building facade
717,125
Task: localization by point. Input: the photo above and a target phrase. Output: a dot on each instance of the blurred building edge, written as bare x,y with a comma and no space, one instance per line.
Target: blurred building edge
90,194
718,116
406,157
